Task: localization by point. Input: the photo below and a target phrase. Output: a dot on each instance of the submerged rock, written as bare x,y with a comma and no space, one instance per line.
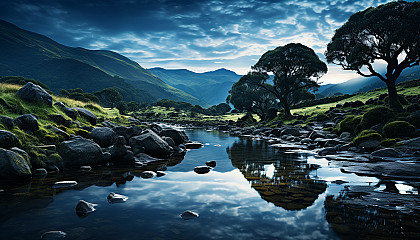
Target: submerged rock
187,215
147,174
116,198
202,169
211,164
160,173
193,145
64,184
53,235
84,208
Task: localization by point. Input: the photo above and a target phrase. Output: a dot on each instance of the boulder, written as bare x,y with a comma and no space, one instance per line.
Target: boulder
211,164
202,169
169,140
84,208
104,136
386,152
187,215
60,119
34,93
27,122
58,131
193,145
116,198
92,119
8,140
153,145
80,151
178,136
411,144
120,152
290,131
71,113
7,121
53,235
13,166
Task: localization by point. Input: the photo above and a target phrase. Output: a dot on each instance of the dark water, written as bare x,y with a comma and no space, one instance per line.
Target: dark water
254,192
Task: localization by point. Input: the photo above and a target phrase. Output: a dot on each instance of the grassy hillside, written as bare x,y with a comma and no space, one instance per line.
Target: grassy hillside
32,55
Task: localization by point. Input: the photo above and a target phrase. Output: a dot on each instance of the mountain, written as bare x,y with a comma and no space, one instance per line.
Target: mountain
211,87
362,84
31,55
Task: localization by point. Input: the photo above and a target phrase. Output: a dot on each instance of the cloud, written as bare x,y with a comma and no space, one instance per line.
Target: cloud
189,34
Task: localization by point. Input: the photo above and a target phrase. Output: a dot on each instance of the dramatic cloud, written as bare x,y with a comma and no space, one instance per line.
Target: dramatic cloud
200,35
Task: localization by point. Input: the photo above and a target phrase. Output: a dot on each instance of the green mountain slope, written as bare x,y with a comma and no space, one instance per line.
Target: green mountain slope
33,55
211,87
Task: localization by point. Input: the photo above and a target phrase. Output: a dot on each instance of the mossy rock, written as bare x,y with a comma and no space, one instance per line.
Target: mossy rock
399,129
83,133
367,135
401,99
390,142
38,158
54,160
322,117
349,124
375,116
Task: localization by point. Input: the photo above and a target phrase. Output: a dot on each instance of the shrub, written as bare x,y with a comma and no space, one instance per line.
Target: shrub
367,135
349,124
375,116
398,129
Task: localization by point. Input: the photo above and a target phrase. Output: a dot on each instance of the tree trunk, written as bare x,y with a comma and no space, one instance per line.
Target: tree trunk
394,102
286,107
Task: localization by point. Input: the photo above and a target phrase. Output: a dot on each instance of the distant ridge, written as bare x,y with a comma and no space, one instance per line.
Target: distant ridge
28,54
211,87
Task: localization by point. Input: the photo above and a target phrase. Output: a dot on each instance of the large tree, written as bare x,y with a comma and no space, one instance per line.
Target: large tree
246,95
389,33
295,67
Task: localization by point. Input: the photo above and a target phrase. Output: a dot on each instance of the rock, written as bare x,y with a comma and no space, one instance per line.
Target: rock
357,103
146,159
59,119
386,152
369,144
160,173
85,168
104,136
378,128
306,141
411,144
290,131
187,215
92,119
13,166
7,121
315,134
202,169
116,198
147,174
40,172
34,93
60,132
27,122
60,104
211,164
8,140
80,151
193,145
339,182
109,124
71,113
120,153
169,140
53,235
327,151
179,137
84,208
345,135
153,144
64,184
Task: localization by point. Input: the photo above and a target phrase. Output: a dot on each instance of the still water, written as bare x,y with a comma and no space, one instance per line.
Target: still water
254,192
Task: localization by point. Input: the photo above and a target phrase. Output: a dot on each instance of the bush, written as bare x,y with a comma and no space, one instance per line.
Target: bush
398,129
349,124
375,116
367,135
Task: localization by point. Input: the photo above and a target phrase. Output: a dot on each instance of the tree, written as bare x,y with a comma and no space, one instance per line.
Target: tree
247,95
109,97
389,33
295,67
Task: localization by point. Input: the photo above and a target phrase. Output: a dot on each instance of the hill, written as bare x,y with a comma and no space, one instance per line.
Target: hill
211,87
32,55
362,84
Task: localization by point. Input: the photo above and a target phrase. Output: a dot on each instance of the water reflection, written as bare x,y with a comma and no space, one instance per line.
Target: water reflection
283,179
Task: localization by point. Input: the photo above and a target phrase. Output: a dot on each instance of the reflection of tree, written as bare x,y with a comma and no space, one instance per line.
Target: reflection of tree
290,186
364,215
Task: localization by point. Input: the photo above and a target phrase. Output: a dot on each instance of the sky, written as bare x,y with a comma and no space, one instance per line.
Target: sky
199,35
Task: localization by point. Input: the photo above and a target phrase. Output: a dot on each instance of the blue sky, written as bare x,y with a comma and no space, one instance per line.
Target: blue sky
200,35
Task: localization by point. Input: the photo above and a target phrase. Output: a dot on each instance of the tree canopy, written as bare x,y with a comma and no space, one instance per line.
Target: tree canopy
389,33
295,67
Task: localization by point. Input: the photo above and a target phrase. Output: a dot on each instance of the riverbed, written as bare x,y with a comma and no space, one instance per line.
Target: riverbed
256,191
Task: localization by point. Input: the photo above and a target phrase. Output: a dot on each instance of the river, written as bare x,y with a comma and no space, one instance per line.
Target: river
254,192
